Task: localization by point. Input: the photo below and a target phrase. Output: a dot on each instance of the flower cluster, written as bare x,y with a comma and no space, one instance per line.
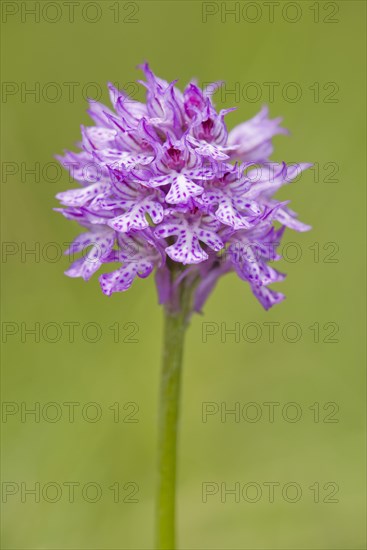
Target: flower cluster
165,187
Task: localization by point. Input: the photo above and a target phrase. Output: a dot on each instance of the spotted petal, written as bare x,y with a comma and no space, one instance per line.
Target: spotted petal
187,249
181,190
80,197
85,267
135,217
122,279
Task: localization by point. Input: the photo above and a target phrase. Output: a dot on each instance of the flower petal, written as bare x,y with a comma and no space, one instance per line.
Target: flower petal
182,189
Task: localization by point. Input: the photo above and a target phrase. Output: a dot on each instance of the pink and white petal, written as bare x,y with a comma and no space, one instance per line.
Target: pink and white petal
249,205
288,220
76,268
80,242
167,230
182,189
294,170
211,239
186,249
161,180
266,296
207,149
123,223
100,136
80,197
122,279
117,281
227,214
273,176
85,267
104,243
135,217
203,173
98,112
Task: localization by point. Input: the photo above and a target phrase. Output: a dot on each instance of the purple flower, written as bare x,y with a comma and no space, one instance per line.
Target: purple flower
163,186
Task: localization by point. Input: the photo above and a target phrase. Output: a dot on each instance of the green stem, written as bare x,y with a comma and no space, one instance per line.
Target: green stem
174,332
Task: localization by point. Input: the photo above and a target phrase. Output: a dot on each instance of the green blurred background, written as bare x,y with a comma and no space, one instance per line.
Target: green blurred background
325,44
